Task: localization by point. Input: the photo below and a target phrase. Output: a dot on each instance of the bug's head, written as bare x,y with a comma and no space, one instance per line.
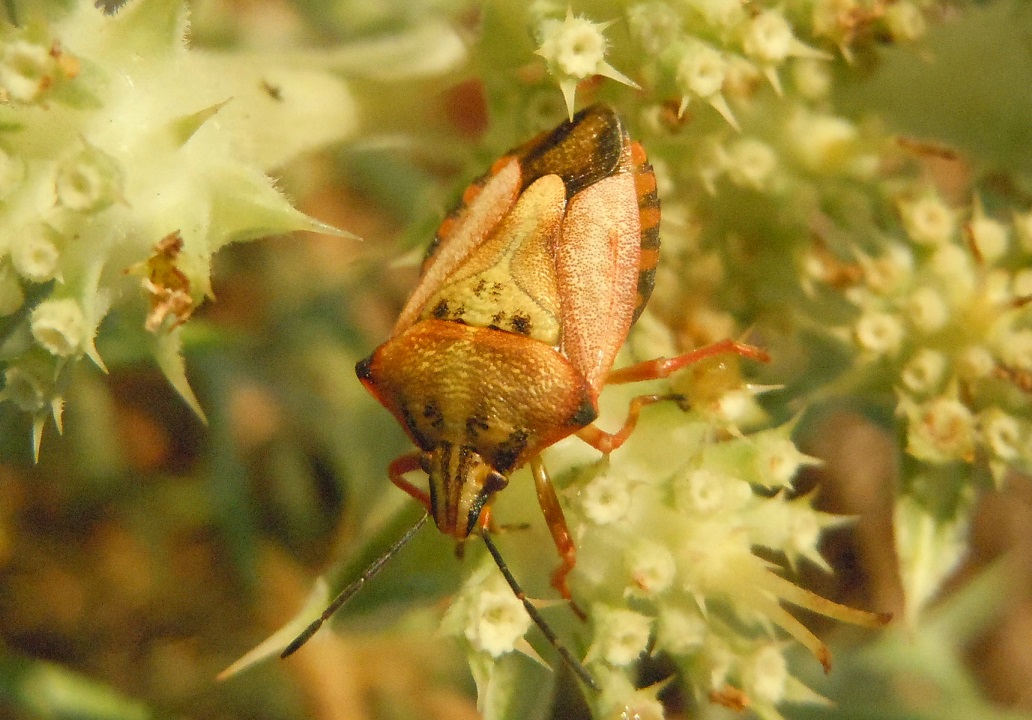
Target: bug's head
462,483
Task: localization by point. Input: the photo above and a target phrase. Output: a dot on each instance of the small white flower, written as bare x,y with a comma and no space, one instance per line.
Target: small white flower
768,38
35,255
924,372
954,267
59,326
889,272
720,13
927,310
750,162
879,333
812,78
765,675
680,632
1001,433
574,49
621,636
1016,349
941,430
928,220
651,567
88,181
975,361
778,460
655,25
701,70
606,499
495,618
823,143
25,389
704,492
24,70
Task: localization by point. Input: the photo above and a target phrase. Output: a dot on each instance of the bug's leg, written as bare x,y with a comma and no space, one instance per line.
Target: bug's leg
553,513
397,470
652,370
662,367
608,442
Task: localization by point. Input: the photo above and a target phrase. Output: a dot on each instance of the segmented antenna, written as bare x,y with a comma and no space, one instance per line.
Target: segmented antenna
571,662
353,588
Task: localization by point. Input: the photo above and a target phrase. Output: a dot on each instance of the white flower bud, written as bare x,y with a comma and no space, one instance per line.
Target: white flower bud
750,162
927,220
89,181
701,70
651,567
927,310
778,460
1001,433
59,326
34,254
25,69
768,38
680,632
924,372
606,499
496,619
941,430
704,492
621,636
25,389
976,361
812,78
765,675
879,332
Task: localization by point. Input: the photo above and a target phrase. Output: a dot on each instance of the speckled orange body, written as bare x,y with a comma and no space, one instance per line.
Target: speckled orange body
525,297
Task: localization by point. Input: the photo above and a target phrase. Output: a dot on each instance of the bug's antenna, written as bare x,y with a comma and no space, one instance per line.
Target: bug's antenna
346,593
573,663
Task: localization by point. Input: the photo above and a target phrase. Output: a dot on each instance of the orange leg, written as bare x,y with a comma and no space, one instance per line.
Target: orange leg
652,370
397,470
608,442
662,367
553,513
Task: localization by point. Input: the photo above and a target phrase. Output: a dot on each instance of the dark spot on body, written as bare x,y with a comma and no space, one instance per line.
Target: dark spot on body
521,324
440,310
475,424
585,414
432,412
510,450
364,368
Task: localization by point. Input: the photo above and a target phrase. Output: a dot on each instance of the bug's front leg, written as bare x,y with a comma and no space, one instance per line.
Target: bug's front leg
553,513
652,370
401,466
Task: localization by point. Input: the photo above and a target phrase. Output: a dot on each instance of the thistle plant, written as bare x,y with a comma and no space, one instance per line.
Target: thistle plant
876,267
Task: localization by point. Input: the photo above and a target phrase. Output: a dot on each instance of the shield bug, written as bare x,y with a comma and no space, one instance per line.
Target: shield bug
525,296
